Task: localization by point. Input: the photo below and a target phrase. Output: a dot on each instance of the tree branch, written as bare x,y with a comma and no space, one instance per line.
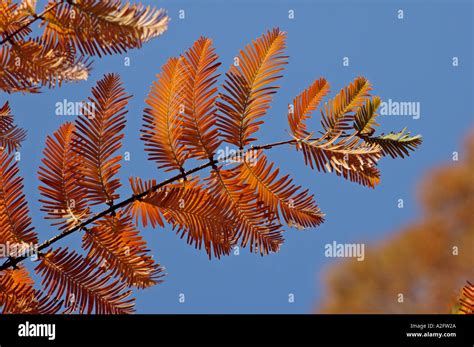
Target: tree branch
13,262
10,37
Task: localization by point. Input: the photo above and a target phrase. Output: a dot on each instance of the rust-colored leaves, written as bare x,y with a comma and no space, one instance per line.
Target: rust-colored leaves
17,294
200,217
249,86
63,198
73,31
163,123
304,104
116,244
102,27
347,146
98,136
15,223
199,133
242,201
83,287
11,136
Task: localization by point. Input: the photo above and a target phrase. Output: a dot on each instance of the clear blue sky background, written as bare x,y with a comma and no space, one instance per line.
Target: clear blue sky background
406,60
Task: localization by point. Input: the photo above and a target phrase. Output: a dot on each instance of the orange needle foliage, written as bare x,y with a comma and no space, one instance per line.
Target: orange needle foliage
466,301
73,31
238,202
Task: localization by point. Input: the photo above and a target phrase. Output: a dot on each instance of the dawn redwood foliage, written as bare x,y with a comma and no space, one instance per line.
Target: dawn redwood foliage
73,30
234,201
467,299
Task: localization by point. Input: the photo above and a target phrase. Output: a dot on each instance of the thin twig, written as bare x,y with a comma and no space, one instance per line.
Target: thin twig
10,36
13,262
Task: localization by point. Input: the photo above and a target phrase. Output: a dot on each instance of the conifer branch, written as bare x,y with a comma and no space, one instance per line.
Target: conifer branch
14,261
9,38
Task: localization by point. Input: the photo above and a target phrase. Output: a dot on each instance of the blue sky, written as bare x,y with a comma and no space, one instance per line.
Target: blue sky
406,60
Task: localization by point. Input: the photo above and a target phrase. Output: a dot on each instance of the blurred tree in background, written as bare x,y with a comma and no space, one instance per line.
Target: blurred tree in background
427,262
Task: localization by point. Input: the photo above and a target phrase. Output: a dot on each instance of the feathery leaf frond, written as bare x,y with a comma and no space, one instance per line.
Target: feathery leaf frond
17,295
199,134
46,66
102,27
347,158
16,290
13,80
395,144
116,243
27,7
28,65
11,136
243,204
15,224
199,216
163,121
85,289
365,117
249,88
90,27
304,104
140,209
13,19
256,226
339,112
297,207
467,299
98,136
63,199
